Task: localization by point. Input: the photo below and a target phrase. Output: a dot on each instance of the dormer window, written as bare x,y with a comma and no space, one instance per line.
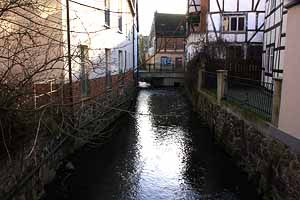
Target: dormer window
234,23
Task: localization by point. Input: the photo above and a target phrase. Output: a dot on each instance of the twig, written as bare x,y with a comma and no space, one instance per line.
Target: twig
4,142
36,136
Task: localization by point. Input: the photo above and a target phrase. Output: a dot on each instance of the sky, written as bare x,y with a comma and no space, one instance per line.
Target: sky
148,7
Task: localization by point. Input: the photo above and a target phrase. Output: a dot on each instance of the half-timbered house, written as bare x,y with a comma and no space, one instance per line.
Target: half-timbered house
274,39
240,23
195,35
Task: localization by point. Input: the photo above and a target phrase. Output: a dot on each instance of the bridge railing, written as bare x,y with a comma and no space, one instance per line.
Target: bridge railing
157,67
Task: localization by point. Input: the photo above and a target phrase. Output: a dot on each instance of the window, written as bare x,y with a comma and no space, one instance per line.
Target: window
166,63
125,66
107,12
225,23
233,23
241,26
178,62
83,69
120,62
270,57
120,21
108,80
165,60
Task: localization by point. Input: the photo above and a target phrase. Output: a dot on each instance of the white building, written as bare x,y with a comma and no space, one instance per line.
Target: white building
103,39
238,22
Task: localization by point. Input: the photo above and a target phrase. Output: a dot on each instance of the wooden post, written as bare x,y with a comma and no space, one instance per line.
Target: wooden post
276,101
70,62
220,85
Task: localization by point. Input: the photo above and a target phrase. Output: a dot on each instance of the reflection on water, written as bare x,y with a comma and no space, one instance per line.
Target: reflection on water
163,152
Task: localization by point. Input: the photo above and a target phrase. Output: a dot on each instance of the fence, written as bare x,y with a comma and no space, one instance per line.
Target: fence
247,69
157,67
254,95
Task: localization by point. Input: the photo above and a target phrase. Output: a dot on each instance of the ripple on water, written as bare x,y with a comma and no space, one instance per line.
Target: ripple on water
160,157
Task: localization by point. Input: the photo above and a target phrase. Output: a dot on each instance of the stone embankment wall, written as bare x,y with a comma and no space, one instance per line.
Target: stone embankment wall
271,158
24,178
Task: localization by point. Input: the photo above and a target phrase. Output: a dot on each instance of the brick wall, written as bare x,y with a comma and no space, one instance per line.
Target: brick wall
24,177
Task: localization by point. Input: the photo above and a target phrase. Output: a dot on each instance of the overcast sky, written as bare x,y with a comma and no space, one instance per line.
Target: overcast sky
148,7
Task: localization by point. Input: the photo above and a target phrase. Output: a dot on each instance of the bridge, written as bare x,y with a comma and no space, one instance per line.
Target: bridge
162,76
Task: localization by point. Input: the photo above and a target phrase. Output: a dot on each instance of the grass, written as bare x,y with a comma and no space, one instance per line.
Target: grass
246,112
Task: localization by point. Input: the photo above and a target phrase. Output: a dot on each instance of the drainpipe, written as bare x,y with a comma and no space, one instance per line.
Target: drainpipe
69,57
133,49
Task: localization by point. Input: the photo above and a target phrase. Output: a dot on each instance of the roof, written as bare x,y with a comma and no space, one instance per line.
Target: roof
169,24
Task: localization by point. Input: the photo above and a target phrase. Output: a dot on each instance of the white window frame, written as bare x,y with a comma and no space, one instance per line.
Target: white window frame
120,61
271,56
229,17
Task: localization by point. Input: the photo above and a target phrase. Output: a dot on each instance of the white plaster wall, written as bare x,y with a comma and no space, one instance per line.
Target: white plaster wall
192,8
88,26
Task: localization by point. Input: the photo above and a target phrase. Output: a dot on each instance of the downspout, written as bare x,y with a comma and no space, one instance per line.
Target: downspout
137,41
69,57
133,49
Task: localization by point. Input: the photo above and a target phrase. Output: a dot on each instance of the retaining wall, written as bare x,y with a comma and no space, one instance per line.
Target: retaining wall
270,157
24,178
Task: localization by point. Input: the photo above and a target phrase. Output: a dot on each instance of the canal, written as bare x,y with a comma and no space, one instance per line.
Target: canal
161,151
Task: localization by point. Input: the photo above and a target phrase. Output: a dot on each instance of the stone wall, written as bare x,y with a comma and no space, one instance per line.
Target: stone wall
270,157
23,177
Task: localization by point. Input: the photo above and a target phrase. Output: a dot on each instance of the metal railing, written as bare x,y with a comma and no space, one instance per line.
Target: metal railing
157,67
252,94
248,69
256,96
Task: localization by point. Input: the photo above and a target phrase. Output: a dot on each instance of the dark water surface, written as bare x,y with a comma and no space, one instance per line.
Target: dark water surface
156,157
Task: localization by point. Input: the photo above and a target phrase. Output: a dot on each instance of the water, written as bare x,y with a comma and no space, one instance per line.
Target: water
153,157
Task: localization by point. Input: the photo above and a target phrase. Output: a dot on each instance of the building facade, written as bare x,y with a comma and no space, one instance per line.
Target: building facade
238,23
102,48
103,43
274,40
166,42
